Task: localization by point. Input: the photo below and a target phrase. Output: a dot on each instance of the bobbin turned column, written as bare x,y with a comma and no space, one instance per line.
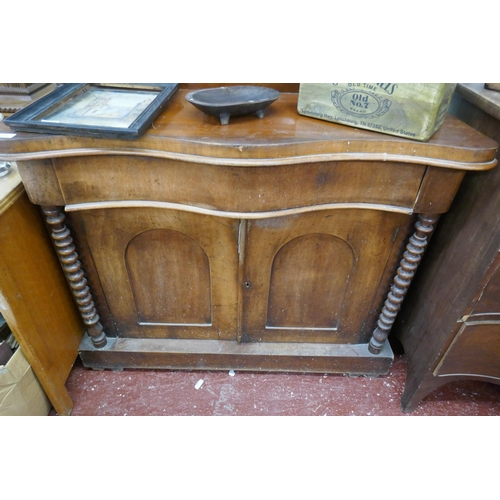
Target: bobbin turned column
75,275
404,276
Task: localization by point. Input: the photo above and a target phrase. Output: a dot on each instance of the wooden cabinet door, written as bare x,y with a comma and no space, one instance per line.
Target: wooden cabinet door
166,273
314,277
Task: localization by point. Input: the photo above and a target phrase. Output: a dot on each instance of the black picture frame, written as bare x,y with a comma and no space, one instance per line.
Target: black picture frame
117,111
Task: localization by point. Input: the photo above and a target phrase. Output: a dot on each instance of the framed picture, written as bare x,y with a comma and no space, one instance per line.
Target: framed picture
119,111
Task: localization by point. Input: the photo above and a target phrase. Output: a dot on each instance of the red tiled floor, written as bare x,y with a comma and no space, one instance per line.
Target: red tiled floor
165,392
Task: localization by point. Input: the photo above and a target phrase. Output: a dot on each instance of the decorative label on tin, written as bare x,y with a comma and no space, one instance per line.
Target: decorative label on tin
360,103
412,110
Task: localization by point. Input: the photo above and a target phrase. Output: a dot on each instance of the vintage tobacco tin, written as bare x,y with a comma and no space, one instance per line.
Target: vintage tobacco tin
411,110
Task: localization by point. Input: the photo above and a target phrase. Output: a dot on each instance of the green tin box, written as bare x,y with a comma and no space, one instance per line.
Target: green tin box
411,110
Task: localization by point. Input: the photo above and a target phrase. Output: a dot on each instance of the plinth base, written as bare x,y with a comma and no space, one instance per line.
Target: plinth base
181,354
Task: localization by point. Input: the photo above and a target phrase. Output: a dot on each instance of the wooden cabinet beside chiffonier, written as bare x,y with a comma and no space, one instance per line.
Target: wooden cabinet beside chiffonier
450,322
34,296
264,244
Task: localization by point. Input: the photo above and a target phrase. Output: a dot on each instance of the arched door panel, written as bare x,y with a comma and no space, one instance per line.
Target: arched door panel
315,277
166,273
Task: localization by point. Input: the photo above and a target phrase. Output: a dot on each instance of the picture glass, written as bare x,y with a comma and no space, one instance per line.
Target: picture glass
102,108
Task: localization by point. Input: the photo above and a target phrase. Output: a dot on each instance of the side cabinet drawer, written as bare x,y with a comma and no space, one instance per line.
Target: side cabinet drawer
475,351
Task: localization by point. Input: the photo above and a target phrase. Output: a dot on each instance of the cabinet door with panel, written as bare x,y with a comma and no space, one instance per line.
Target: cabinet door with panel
314,277
166,273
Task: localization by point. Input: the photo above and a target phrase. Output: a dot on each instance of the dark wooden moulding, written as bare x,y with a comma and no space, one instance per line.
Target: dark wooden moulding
281,243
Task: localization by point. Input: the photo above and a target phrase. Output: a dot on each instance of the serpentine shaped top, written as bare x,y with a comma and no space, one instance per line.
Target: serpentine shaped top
282,137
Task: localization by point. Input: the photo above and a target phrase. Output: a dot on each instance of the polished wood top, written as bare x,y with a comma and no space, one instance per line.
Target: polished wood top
281,137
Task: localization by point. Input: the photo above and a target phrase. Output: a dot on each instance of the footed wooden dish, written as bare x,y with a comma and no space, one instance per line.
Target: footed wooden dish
224,102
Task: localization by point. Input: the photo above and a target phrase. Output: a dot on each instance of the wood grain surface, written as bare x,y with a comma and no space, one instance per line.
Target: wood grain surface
35,300
183,132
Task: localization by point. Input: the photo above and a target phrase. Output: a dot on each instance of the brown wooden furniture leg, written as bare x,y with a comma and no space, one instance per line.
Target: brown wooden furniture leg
404,276
417,389
72,267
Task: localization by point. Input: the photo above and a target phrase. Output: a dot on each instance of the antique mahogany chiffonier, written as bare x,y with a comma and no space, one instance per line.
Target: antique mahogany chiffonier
280,243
